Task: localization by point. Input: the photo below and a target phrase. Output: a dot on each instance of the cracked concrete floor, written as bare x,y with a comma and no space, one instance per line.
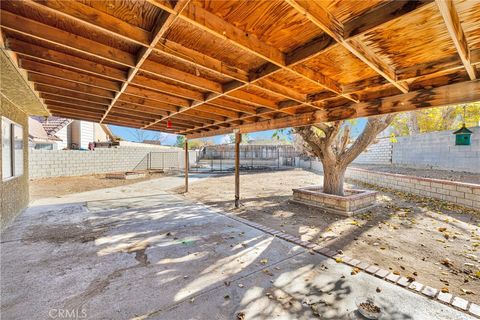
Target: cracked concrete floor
138,252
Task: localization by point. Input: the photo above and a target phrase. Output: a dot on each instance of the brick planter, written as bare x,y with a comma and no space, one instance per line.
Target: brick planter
354,201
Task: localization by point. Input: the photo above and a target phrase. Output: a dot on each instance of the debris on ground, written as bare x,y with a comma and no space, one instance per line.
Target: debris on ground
431,238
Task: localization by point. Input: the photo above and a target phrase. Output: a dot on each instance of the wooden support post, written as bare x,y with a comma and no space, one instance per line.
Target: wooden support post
238,139
186,165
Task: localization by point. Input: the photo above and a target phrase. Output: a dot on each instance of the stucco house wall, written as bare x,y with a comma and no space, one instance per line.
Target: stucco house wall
17,101
14,192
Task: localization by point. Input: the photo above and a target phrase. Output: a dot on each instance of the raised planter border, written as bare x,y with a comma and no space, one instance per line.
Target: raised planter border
341,205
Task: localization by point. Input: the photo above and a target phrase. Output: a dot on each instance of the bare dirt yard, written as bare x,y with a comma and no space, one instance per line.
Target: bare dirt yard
431,241
59,186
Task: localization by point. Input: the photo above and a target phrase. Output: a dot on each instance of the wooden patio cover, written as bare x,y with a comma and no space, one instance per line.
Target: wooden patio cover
202,68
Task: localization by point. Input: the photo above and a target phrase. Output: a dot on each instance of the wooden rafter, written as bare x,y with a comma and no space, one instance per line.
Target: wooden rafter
214,25
81,75
295,58
334,28
452,21
163,23
464,92
62,73
97,19
65,60
118,29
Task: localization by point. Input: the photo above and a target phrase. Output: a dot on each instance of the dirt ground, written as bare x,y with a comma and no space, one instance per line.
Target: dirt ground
59,186
434,242
426,173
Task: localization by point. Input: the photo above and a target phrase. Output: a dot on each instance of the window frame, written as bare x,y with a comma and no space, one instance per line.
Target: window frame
15,172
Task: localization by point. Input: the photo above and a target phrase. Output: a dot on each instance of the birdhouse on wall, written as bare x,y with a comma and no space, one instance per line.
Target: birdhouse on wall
462,136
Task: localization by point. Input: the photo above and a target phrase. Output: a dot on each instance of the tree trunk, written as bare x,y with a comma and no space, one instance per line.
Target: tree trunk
333,179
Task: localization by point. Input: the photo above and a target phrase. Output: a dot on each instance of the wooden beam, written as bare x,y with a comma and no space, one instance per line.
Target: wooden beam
72,101
187,165
193,119
88,112
69,85
201,60
454,27
63,59
181,76
158,96
463,92
315,13
253,99
167,88
70,94
204,115
238,139
76,106
163,22
76,116
444,65
379,15
61,73
122,123
140,101
218,27
226,103
45,32
93,18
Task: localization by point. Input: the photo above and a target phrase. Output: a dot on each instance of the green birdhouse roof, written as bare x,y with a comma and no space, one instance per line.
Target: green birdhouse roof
463,130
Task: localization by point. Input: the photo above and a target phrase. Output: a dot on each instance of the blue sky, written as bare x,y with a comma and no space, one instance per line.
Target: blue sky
130,134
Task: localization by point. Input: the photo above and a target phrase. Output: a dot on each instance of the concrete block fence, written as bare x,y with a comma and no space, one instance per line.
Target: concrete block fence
437,150
465,194
56,163
377,153
434,150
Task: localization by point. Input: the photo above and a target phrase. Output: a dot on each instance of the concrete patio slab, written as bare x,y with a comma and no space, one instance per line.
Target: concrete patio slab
160,257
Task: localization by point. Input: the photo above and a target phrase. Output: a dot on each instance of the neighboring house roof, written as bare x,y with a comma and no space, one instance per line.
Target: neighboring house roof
53,124
36,132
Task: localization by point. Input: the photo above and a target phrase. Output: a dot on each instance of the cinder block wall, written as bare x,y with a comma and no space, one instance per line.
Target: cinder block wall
14,194
464,194
437,150
377,153
56,163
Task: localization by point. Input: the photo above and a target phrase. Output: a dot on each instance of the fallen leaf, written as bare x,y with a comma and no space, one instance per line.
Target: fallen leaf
264,261
466,291
445,290
339,260
268,272
240,316
447,263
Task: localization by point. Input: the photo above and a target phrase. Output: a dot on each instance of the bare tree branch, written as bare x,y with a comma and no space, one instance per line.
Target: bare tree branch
374,126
